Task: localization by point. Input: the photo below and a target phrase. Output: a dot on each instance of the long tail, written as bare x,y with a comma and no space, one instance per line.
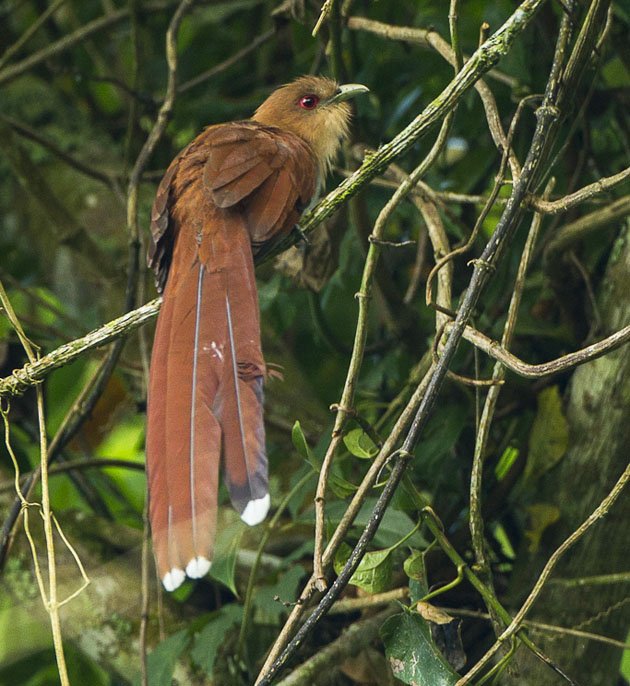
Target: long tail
205,401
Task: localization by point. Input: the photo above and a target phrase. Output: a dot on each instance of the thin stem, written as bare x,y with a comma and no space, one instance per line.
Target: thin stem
226,64
453,16
498,183
483,431
363,296
540,626
72,465
323,15
30,31
53,49
251,582
51,599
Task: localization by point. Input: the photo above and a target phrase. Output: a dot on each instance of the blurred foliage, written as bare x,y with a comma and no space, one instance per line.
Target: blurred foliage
95,102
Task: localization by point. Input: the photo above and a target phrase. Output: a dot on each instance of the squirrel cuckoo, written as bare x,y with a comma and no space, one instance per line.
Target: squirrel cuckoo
236,187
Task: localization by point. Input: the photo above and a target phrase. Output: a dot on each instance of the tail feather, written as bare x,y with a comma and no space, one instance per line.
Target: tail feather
205,402
156,439
239,402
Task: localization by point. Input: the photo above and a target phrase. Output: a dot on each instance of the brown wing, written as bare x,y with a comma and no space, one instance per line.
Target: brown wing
271,173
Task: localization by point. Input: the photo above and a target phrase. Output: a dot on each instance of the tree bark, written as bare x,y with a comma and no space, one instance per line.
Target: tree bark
597,409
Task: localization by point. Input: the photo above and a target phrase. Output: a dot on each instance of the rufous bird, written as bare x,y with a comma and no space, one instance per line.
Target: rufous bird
230,192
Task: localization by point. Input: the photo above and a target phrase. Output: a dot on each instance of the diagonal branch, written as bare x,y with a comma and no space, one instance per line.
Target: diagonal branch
482,60
35,372
548,119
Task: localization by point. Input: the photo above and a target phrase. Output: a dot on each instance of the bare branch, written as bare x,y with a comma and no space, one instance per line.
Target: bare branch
560,364
581,195
35,372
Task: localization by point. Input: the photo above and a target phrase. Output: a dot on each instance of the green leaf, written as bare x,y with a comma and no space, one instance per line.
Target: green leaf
503,466
615,73
360,444
299,442
162,660
414,566
374,573
549,437
341,487
502,538
338,485
412,655
210,638
107,97
224,564
541,517
341,557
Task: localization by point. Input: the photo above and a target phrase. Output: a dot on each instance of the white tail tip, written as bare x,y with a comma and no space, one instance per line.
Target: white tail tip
198,567
256,510
173,579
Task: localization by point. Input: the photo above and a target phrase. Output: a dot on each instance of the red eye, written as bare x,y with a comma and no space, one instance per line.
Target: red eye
308,102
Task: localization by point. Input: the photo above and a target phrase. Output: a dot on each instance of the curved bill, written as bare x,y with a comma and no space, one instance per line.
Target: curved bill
347,91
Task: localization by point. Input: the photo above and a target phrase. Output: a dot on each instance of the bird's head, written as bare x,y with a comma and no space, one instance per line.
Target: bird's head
316,109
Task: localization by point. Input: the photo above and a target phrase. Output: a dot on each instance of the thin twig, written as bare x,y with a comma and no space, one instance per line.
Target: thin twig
583,227
441,246
146,597
251,582
583,194
545,628
363,295
80,166
53,49
226,64
323,15
348,605
30,31
598,580
71,465
50,598
483,431
498,183
453,16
